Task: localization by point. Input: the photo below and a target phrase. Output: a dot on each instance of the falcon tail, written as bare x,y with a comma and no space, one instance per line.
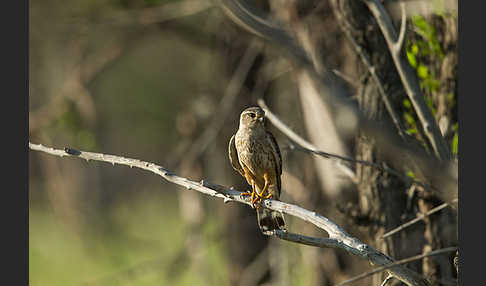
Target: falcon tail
269,220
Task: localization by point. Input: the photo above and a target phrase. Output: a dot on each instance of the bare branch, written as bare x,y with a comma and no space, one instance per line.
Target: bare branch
410,81
418,218
303,143
306,146
351,81
338,238
387,279
399,262
403,25
229,195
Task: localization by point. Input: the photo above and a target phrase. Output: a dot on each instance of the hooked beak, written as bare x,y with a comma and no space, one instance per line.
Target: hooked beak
261,119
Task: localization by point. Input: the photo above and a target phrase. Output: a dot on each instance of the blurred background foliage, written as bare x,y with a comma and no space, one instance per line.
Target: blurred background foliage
126,77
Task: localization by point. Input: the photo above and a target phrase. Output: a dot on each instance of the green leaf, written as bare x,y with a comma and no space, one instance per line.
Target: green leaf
406,103
414,49
419,22
411,59
409,118
412,131
422,71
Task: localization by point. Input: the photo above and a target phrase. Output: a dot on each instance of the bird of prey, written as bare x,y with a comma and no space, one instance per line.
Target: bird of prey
254,153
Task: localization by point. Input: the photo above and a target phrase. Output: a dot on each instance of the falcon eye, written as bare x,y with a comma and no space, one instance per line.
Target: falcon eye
252,115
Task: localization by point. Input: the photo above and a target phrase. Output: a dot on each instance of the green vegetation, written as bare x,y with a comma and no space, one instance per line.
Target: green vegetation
148,238
421,52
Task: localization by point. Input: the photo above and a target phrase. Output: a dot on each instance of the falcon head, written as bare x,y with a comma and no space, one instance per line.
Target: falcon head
252,117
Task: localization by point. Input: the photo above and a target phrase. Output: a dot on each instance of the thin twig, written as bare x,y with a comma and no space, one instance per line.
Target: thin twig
399,262
229,195
403,25
387,279
417,219
303,145
338,238
351,81
302,142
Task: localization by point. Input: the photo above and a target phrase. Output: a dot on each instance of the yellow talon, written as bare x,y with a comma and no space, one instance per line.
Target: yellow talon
247,193
257,197
253,199
260,200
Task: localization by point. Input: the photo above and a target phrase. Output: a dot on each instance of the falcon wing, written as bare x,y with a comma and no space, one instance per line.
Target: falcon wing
278,159
233,156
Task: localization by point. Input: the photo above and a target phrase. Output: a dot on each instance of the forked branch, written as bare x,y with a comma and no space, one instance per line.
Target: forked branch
338,238
408,77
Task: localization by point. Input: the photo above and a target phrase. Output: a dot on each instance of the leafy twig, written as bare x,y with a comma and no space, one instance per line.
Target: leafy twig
409,79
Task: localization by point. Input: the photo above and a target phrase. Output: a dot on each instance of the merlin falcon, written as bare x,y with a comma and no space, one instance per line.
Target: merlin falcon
254,153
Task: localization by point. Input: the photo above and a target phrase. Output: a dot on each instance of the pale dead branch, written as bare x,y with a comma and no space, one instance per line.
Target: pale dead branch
303,145
338,238
403,28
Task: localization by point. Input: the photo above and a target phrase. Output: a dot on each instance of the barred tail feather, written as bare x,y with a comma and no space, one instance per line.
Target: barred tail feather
269,220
